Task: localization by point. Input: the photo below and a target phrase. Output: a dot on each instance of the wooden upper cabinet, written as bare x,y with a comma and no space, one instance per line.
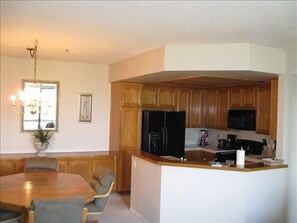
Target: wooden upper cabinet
196,109
263,110
210,108
243,98
157,97
149,97
222,108
130,128
235,97
167,98
183,103
273,107
131,94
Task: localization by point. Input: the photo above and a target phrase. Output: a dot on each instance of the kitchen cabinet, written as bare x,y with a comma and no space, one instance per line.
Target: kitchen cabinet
149,97
273,109
130,128
210,108
196,109
125,129
222,108
263,110
199,155
244,97
183,103
167,98
131,95
159,97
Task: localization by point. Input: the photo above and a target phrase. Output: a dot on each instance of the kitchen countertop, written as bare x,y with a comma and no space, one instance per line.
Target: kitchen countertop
173,161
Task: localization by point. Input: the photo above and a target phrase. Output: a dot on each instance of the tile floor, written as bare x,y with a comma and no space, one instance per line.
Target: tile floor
117,211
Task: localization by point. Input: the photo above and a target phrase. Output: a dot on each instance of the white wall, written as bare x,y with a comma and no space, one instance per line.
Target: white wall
74,78
207,195
290,132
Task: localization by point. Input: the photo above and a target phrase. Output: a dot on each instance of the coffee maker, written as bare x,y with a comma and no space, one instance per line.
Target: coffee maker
203,138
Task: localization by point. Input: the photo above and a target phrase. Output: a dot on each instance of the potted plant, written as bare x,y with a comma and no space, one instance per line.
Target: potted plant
42,139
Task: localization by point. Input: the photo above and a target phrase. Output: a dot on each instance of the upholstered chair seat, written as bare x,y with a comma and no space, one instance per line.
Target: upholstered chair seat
36,164
9,216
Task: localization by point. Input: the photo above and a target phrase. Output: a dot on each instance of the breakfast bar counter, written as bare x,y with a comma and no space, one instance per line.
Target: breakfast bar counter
166,189
172,161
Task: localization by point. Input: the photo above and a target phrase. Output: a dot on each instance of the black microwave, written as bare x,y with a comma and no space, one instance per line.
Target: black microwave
242,119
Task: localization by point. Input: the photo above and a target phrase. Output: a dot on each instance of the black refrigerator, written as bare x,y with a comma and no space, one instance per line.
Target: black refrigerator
163,133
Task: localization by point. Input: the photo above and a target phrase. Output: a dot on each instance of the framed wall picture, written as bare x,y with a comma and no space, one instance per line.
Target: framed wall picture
85,107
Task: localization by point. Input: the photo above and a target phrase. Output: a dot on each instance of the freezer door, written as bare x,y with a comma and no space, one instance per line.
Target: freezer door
153,132
175,131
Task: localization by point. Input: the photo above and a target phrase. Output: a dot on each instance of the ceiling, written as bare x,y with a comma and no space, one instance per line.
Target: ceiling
105,32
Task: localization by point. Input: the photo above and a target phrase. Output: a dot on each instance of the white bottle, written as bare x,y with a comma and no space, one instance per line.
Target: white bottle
240,157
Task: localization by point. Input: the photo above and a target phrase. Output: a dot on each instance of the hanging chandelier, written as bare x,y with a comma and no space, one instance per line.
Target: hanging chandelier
30,100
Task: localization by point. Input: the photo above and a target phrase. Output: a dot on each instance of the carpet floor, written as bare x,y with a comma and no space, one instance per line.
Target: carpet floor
117,210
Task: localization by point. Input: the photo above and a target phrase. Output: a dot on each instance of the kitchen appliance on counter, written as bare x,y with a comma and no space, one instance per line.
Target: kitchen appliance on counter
163,133
232,143
229,143
203,138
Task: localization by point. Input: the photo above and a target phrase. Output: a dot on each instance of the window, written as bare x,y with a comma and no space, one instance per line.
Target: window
46,116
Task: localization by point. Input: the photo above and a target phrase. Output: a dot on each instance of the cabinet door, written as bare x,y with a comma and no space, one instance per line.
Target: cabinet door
184,103
249,97
6,167
235,98
63,166
130,128
149,97
196,108
273,106
107,162
222,108
19,166
125,183
131,94
263,110
210,108
83,167
167,98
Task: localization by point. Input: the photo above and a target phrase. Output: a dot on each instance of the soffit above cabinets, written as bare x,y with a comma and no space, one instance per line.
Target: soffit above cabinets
208,79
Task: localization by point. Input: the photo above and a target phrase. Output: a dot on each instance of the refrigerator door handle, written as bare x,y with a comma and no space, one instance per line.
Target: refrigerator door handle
166,140
163,140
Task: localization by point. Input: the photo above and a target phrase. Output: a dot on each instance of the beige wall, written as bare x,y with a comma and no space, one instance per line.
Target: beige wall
203,57
74,78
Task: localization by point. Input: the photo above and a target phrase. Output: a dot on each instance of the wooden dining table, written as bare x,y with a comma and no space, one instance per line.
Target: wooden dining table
18,190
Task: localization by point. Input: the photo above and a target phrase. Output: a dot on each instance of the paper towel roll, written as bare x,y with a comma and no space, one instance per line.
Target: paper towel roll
240,155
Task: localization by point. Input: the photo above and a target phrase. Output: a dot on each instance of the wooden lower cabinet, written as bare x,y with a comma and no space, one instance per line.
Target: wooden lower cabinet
7,167
199,156
84,165
124,176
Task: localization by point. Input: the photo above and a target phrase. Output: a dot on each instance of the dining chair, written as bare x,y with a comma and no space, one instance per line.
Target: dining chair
9,216
69,210
102,183
36,164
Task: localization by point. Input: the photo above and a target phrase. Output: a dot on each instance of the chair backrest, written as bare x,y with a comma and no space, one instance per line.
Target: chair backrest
33,164
102,183
70,210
